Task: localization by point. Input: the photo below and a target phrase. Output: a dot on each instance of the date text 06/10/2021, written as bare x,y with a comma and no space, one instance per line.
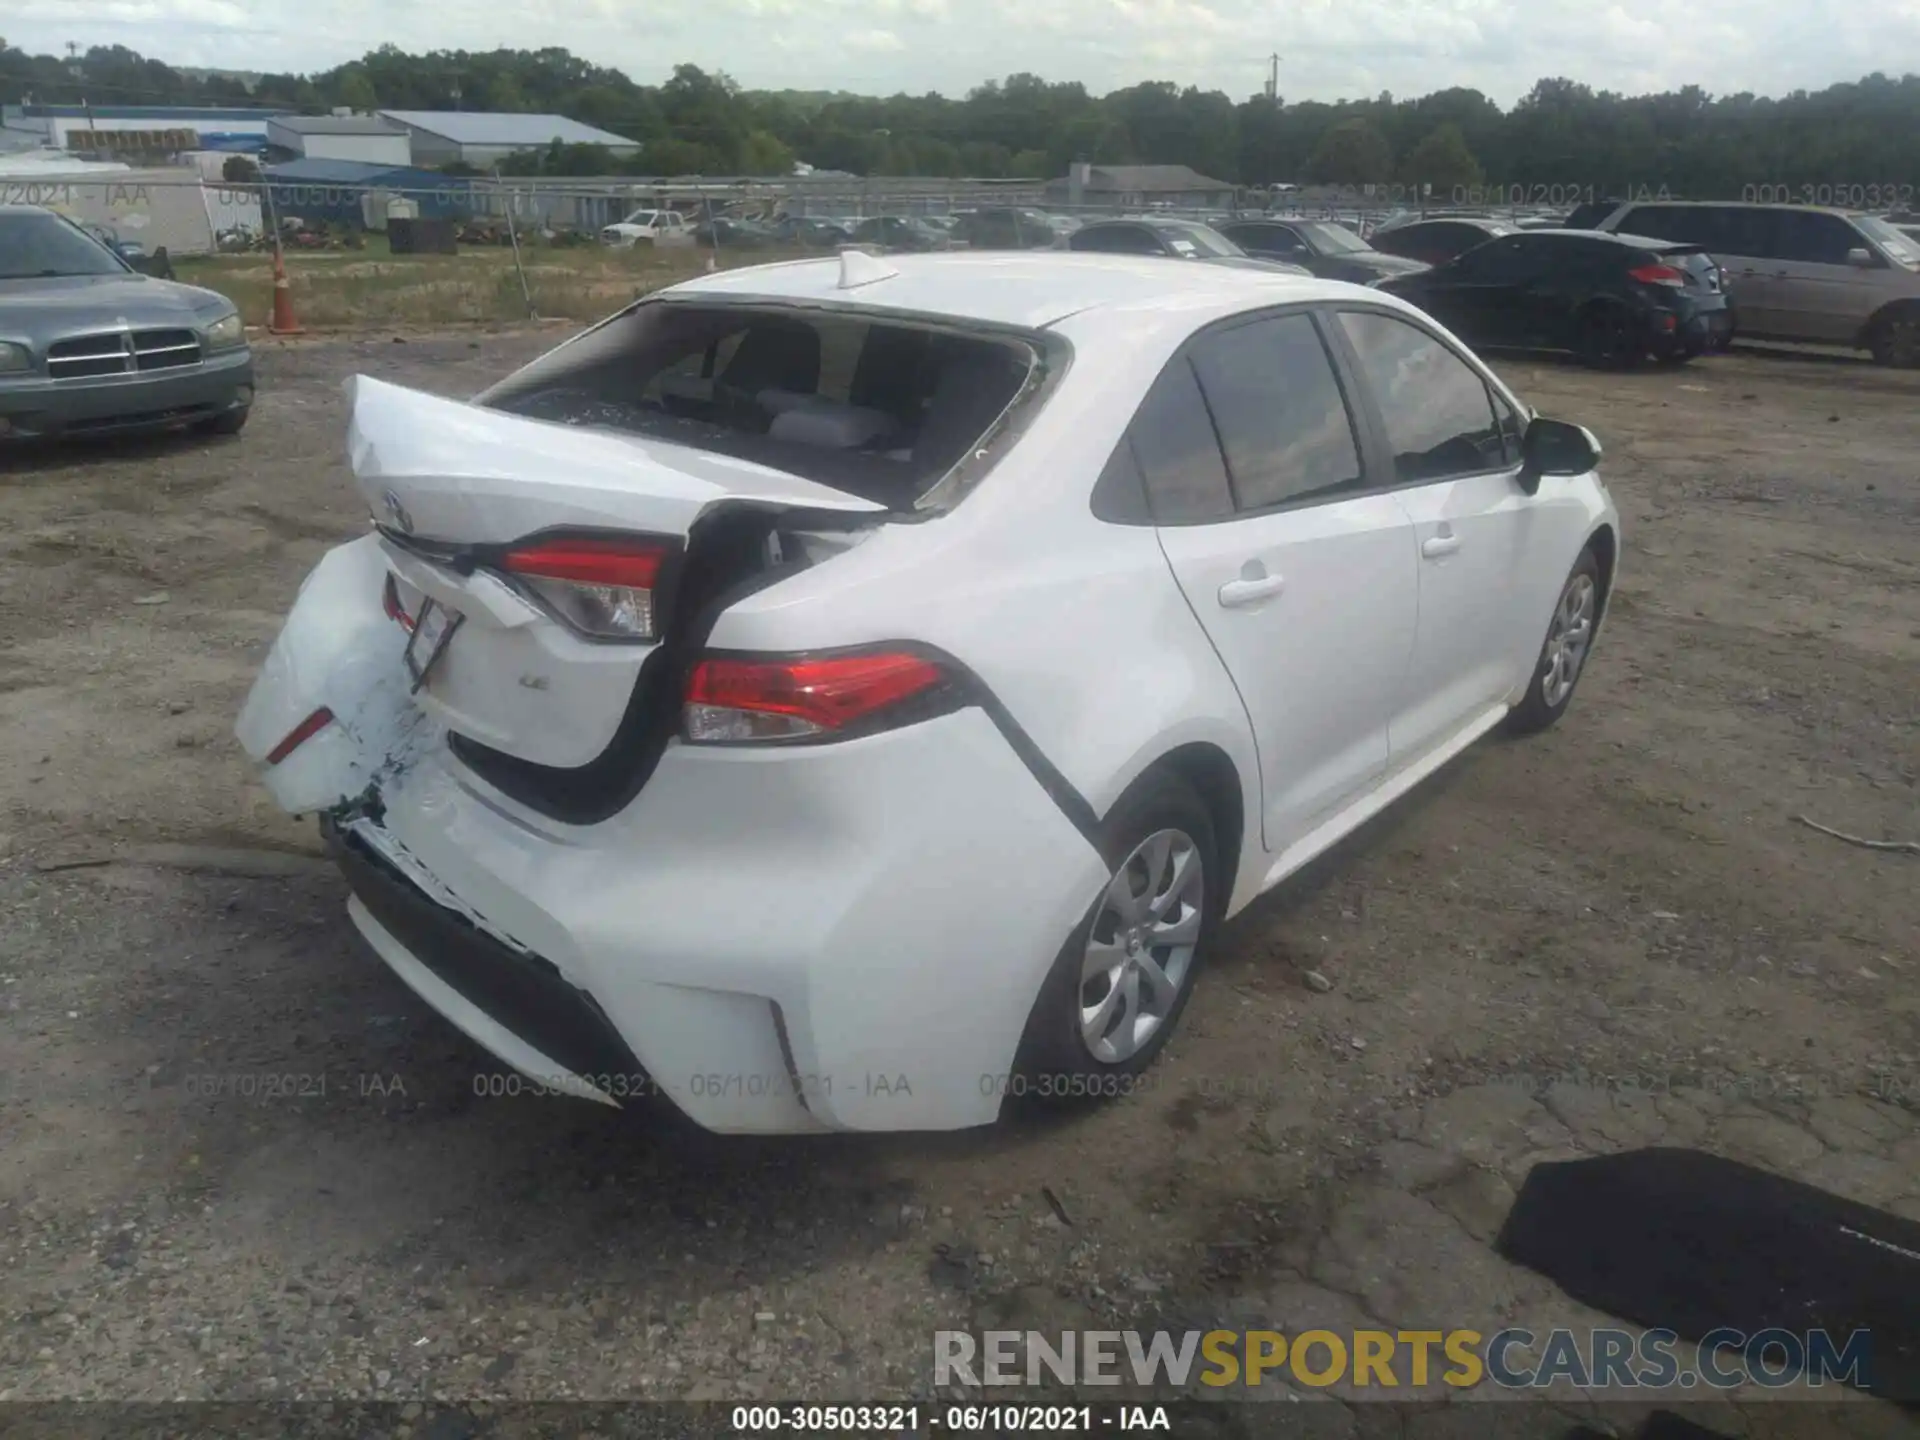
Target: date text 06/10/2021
896,1420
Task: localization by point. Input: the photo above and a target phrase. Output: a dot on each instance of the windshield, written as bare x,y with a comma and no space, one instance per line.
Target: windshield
640,217
1333,239
1204,239
34,245
1897,245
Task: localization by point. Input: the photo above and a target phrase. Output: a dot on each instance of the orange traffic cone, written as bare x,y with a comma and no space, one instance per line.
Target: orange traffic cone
283,321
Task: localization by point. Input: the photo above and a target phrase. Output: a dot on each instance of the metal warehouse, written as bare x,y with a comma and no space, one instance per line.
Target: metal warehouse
482,139
369,139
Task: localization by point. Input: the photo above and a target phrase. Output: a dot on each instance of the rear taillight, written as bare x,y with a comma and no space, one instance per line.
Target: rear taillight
390,602
1657,275
300,734
730,701
601,587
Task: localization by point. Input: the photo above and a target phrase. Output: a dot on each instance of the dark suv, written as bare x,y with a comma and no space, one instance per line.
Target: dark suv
1801,273
1330,251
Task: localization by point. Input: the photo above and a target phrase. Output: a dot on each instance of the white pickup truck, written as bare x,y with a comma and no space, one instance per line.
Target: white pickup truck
645,225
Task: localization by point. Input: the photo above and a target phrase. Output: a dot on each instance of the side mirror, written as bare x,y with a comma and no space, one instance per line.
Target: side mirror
1553,447
1860,258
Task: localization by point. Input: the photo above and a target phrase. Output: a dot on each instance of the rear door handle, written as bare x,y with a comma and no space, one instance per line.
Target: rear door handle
1248,592
1439,545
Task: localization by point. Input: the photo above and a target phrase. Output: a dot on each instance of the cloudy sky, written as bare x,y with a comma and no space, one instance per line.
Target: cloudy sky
1328,48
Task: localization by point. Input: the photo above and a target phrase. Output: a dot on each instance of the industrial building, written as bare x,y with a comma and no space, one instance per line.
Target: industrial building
482,139
118,130
1140,187
367,139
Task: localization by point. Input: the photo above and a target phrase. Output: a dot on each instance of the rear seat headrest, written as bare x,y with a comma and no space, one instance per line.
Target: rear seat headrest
828,423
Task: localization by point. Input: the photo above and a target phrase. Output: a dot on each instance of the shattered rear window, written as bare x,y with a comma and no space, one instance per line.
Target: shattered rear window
878,407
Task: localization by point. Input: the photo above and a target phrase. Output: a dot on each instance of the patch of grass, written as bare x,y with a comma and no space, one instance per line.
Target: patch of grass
373,288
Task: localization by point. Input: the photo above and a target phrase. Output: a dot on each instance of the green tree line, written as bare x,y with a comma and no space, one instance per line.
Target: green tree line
1561,134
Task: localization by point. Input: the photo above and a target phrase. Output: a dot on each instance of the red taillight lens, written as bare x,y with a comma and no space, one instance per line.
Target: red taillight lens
602,587
631,564
1657,275
300,734
729,701
390,602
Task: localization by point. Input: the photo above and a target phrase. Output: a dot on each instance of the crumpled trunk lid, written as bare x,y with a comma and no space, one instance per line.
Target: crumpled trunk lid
454,486
450,483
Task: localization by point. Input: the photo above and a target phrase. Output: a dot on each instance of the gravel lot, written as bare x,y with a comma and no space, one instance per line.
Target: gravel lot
1625,901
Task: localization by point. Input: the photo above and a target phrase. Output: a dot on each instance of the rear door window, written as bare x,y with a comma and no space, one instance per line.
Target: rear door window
1174,444
1281,417
1808,237
1511,259
1691,224
1438,411
1748,230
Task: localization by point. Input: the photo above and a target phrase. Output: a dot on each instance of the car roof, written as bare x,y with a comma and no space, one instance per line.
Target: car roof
1478,222
1026,289
1745,205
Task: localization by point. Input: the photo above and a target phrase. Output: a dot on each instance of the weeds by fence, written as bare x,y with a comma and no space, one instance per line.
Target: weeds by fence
372,287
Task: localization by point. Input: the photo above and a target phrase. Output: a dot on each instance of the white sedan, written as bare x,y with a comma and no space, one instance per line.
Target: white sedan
841,694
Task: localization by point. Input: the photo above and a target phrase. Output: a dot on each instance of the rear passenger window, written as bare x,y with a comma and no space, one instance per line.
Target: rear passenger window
1282,420
1747,230
1811,238
1669,222
1438,411
1174,444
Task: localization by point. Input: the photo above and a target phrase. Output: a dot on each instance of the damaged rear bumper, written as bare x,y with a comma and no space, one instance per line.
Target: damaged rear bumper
783,941
832,937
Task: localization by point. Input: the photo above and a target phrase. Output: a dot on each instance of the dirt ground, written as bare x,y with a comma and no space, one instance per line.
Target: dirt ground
1523,959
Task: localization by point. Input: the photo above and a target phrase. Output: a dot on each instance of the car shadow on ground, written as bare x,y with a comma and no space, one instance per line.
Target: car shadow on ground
32,457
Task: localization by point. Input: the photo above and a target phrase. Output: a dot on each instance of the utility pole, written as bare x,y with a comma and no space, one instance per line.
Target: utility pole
1273,78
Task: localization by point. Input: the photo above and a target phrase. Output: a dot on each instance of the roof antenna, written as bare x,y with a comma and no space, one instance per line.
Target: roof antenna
858,268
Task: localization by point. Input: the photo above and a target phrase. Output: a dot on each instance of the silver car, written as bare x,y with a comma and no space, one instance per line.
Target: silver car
1800,272
89,345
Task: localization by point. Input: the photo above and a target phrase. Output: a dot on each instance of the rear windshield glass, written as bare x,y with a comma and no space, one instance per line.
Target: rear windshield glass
880,408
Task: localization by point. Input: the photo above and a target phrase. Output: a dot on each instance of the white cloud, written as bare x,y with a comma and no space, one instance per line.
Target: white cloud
873,41
1328,50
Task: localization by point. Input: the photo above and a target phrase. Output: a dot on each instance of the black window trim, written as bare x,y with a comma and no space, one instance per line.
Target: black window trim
1376,418
1375,459
1377,473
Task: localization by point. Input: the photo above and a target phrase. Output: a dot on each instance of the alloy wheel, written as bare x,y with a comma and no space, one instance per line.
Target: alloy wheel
1567,640
1140,950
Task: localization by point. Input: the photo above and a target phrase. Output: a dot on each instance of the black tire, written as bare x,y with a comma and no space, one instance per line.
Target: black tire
232,422
1610,338
1542,707
1895,339
1055,1062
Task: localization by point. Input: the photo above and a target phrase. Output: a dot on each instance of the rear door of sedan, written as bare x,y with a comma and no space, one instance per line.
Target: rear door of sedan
1291,550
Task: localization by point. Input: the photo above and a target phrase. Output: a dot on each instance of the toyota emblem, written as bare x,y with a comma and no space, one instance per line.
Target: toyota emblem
398,513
